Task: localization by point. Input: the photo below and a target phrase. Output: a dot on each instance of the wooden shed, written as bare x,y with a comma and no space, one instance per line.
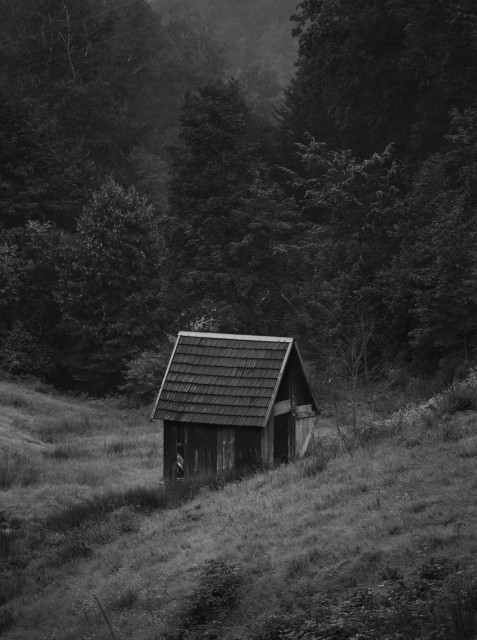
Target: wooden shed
230,401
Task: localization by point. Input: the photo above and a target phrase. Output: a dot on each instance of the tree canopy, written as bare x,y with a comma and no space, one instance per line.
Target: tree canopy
172,165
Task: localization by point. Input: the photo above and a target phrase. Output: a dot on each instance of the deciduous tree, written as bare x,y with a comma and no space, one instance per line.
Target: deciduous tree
108,288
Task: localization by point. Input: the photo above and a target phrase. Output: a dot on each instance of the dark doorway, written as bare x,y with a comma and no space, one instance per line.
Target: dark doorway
280,437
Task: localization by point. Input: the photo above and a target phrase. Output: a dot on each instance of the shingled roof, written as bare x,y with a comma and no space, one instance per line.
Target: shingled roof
222,379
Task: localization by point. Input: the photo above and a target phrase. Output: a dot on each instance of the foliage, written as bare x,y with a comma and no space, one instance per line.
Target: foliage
369,74
430,288
217,592
144,373
41,178
432,604
230,231
374,215
107,288
85,66
29,318
459,396
351,207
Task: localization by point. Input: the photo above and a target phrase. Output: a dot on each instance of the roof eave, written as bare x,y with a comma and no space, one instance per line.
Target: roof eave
277,385
165,377
234,336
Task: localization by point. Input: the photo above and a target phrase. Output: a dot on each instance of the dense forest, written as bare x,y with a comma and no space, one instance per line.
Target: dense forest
252,166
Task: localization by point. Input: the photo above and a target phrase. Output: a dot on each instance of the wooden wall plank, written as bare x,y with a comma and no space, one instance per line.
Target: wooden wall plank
292,418
220,450
304,431
267,442
169,450
284,406
229,450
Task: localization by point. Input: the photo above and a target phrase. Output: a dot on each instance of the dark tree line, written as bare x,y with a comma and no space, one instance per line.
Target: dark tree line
124,218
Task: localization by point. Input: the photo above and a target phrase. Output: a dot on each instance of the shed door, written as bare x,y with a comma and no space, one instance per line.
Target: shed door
305,426
280,437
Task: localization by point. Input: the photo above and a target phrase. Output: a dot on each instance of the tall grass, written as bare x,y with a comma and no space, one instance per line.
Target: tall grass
17,468
14,398
141,498
53,429
119,446
65,451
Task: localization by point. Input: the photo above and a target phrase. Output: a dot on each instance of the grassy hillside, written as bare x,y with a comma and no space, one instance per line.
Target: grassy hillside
378,544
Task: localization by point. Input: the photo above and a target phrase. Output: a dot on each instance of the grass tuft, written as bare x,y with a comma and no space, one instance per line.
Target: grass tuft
65,451
119,446
53,429
15,399
312,465
17,468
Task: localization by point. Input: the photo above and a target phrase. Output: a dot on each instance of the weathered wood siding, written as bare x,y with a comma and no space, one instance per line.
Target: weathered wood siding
210,450
267,442
200,449
281,437
292,393
216,403
170,450
305,423
225,449
248,445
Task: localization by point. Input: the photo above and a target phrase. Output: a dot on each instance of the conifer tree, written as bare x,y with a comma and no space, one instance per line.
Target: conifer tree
430,290
230,229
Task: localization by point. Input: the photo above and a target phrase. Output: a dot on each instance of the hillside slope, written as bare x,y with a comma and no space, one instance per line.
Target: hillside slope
377,544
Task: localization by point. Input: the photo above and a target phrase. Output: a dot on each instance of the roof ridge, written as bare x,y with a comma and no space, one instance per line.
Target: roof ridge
234,336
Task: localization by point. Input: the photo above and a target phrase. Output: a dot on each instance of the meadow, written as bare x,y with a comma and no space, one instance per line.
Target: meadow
372,538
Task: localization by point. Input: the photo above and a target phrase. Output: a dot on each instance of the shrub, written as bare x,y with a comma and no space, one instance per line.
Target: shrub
11,584
144,373
431,605
313,465
460,396
22,354
218,589
6,620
